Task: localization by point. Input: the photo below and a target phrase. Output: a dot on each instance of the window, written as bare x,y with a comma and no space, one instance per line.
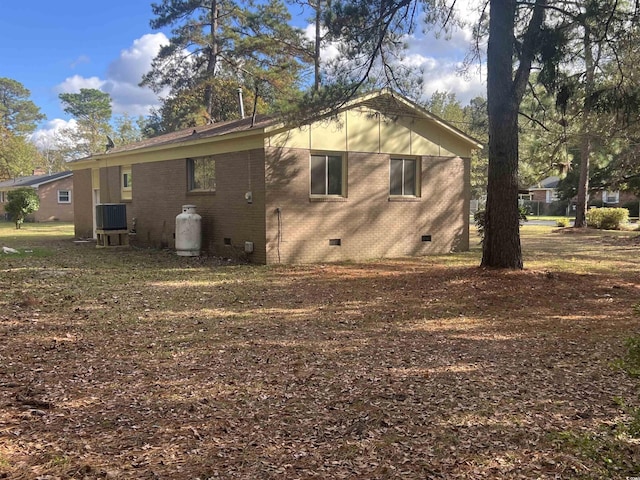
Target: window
552,196
3,198
64,196
327,175
126,183
403,179
610,197
202,174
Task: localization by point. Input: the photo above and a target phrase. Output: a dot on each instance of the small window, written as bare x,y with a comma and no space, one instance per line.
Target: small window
403,179
202,174
327,175
64,196
3,198
126,183
610,197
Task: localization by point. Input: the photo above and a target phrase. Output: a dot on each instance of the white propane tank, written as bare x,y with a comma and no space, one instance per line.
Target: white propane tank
188,232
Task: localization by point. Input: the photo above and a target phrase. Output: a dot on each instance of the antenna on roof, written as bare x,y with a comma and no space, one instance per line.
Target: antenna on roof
255,106
110,144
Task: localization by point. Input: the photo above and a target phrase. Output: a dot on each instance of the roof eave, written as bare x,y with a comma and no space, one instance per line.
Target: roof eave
89,161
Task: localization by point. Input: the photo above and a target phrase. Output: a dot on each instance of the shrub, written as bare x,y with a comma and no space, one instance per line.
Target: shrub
631,361
479,219
20,203
562,222
607,218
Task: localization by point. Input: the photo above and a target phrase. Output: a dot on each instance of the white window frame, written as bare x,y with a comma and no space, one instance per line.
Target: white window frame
68,196
3,197
126,183
327,174
416,177
606,194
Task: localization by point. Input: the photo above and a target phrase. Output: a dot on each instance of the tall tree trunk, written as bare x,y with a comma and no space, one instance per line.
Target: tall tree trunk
585,130
501,245
212,60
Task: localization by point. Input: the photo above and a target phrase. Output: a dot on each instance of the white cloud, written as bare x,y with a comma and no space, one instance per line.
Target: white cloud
329,51
80,60
123,76
448,78
438,54
441,57
135,61
47,137
75,83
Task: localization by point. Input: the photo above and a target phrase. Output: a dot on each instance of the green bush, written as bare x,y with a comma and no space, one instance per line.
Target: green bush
479,219
631,361
562,222
607,218
20,203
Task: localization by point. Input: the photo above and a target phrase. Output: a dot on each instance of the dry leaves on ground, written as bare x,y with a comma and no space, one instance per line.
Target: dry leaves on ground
137,364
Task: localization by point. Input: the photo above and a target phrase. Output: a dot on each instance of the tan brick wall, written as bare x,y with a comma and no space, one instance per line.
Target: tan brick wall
82,203
50,209
160,190
368,224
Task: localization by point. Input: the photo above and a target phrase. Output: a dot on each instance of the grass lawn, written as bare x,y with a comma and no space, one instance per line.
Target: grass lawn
139,364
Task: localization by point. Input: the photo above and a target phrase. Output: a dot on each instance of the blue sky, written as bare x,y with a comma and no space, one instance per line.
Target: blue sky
43,43
61,46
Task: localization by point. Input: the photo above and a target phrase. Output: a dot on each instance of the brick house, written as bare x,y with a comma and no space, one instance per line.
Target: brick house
546,193
55,192
381,178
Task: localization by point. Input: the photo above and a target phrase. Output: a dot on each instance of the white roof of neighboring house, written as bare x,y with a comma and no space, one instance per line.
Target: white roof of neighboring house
34,180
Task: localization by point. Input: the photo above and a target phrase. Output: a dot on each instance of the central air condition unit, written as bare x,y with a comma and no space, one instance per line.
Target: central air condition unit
111,216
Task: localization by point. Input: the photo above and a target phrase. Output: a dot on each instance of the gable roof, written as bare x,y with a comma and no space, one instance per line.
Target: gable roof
385,101
546,183
197,133
34,180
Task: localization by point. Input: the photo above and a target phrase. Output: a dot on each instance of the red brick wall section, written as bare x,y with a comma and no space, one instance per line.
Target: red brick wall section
367,223
539,196
50,209
160,190
82,203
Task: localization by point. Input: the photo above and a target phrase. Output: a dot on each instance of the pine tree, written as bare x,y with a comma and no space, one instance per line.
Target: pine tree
218,43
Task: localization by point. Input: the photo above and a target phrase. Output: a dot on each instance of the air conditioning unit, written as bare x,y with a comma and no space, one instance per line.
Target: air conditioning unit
111,216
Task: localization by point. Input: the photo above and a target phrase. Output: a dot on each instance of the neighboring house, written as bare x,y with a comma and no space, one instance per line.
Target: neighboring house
545,191
55,192
380,178
614,198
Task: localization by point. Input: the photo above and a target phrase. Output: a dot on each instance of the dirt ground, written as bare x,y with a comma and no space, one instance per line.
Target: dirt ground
137,364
